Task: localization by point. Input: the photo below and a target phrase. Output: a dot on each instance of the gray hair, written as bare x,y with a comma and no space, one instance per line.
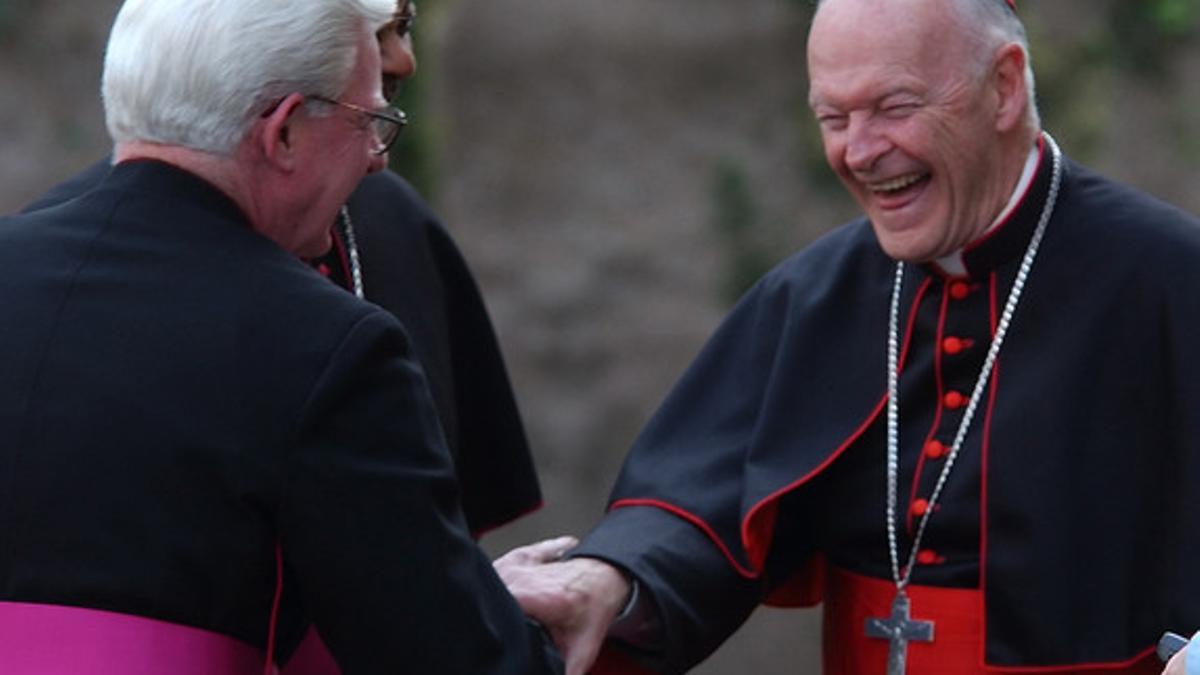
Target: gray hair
992,23
198,74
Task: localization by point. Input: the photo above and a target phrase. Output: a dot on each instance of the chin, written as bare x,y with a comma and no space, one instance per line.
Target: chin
907,250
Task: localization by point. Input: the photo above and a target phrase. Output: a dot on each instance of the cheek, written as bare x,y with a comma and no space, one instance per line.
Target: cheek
835,151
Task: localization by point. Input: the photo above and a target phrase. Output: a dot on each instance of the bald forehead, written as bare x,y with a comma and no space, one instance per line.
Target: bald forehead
873,30
863,51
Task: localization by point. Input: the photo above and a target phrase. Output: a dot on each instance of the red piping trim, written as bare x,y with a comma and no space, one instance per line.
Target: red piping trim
273,625
694,520
985,460
478,534
1078,667
937,409
1017,207
343,258
753,548
912,321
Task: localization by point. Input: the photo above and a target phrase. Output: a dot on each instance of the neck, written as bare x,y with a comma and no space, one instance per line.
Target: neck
1016,179
225,172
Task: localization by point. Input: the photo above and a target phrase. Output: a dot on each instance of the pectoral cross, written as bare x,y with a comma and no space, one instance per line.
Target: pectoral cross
899,629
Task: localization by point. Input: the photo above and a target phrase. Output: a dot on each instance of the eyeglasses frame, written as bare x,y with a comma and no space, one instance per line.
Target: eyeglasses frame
405,19
395,116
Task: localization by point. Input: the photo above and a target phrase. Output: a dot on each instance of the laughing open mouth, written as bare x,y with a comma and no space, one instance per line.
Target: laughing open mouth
897,184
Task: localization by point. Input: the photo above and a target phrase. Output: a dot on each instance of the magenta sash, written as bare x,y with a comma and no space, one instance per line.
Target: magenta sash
38,639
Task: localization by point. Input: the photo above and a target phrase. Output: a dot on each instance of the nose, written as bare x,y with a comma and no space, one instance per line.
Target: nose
864,144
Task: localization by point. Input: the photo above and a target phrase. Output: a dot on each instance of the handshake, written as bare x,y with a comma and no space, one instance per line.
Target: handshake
575,599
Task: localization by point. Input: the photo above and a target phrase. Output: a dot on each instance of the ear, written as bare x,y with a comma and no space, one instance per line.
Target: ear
276,133
1008,82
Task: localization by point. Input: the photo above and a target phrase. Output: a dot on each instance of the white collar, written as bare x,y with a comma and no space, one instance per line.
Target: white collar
953,264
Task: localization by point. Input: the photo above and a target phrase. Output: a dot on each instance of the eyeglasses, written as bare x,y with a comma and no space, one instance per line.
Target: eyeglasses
386,122
405,20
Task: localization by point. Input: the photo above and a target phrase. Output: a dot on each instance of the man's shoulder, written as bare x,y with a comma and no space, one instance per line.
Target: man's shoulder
1111,208
849,250
72,187
1134,240
389,212
389,192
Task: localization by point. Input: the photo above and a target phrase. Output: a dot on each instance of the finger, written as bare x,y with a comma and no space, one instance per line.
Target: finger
544,551
581,652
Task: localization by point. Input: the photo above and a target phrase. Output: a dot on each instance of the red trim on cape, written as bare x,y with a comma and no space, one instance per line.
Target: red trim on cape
755,538
757,527
694,520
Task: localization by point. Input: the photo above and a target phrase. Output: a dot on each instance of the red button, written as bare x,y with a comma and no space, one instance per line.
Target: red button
323,269
919,507
935,450
959,290
929,557
953,345
954,400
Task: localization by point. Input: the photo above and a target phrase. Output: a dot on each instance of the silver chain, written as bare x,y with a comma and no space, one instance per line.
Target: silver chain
893,384
356,277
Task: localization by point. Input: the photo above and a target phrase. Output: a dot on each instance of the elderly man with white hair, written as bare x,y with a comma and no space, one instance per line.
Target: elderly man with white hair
964,422
209,445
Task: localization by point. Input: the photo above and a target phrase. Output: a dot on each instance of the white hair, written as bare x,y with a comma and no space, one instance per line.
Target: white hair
196,73
992,24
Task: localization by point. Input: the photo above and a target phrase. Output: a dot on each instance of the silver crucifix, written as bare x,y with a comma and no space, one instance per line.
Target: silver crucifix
899,629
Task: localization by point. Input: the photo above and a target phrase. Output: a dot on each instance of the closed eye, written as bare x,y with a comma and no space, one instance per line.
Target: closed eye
832,121
900,109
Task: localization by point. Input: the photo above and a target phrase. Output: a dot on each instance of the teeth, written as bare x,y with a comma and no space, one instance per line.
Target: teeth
897,183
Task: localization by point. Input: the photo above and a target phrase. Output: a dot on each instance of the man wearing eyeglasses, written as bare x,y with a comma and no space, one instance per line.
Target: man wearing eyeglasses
389,245
209,444
410,266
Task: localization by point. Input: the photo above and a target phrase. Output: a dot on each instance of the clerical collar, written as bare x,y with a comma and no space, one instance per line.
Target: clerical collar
953,264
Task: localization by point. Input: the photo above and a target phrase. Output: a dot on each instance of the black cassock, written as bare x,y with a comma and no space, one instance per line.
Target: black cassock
413,269
1073,502
175,419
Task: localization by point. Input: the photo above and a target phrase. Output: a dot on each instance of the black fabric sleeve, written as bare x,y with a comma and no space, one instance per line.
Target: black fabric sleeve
700,598
373,533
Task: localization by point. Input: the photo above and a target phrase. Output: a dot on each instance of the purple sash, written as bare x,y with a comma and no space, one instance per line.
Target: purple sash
40,639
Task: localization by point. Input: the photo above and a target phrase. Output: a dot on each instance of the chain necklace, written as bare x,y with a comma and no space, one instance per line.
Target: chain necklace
356,277
899,628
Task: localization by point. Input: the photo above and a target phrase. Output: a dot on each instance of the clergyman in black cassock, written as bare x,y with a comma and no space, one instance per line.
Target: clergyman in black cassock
412,268
965,421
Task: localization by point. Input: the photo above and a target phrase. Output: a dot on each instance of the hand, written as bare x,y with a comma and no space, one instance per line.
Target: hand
575,599
1178,663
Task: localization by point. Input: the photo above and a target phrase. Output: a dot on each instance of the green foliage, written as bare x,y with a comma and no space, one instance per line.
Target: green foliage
735,216
413,155
12,14
1145,35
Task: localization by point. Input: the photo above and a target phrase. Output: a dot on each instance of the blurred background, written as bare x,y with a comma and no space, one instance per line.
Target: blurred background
618,171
